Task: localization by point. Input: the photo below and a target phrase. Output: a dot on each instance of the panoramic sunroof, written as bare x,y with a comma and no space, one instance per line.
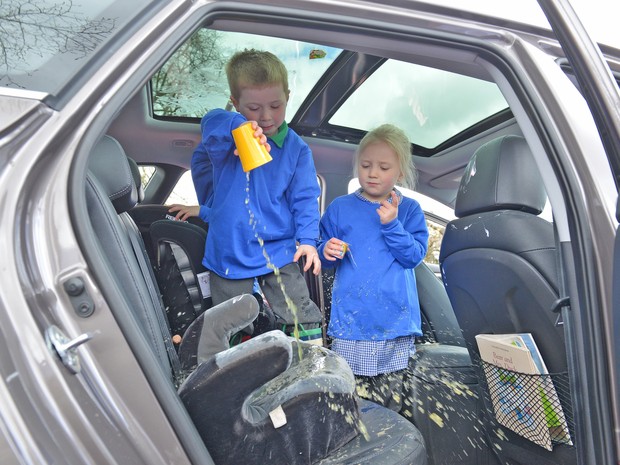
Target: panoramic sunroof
429,104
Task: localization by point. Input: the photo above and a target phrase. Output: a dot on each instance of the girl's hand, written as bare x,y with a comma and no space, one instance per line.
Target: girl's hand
312,258
183,212
258,133
388,211
334,249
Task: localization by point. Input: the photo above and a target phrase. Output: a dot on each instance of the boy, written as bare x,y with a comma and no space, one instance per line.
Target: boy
256,219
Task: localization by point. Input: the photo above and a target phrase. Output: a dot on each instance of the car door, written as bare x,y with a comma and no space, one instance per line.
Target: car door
602,360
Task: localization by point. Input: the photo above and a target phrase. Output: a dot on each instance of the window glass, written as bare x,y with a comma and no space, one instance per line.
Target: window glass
69,34
184,192
435,236
430,105
146,174
193,81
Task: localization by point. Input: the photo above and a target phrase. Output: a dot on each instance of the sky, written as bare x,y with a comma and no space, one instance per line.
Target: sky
600,17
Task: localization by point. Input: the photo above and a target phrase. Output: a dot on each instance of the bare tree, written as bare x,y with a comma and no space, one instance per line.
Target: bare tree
34,28
191,77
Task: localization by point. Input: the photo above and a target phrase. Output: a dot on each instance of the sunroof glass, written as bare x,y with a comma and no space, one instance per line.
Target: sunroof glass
429,104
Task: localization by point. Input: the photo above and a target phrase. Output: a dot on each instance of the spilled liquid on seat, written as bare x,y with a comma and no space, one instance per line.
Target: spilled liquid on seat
289,302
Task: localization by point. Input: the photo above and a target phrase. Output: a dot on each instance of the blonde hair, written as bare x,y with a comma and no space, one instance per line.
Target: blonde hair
398,141
252,67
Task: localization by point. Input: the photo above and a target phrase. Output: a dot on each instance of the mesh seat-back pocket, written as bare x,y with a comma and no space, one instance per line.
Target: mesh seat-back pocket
536,407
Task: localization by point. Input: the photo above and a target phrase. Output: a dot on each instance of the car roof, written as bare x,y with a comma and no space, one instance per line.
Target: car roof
440,162
343,75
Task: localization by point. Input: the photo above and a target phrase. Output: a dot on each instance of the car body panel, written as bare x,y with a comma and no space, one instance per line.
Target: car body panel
118,410
603,97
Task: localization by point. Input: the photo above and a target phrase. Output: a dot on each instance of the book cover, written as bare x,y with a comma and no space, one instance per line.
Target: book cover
523,401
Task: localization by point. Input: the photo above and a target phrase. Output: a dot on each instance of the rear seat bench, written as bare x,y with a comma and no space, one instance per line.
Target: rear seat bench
110,192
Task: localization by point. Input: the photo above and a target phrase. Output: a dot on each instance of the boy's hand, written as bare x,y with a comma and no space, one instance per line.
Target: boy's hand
183,212
388,211
334,249
312,258
258,133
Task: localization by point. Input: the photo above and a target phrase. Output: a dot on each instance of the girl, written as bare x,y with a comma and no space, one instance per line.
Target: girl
376,238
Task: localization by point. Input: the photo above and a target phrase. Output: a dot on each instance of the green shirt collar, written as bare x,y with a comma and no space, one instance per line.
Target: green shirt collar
278,137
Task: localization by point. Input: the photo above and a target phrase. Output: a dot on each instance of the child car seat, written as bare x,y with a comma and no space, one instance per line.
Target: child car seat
183,280
272,398
179,248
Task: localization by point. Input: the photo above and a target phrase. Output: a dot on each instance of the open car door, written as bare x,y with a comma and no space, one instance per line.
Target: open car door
597,332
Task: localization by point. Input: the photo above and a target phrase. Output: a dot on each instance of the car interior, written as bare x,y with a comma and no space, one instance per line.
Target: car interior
483,182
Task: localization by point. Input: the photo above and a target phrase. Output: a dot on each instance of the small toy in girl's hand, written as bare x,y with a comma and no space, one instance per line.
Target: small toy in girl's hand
347,248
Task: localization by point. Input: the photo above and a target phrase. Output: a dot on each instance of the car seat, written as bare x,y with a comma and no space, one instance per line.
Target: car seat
498,264
179,247
183,279
145,214
387,438
262,391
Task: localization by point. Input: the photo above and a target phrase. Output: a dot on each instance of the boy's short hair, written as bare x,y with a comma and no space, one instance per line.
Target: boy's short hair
252,67
400,144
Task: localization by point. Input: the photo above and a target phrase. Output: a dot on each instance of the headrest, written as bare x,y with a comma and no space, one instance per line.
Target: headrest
137,179
109,164
501,175
222,321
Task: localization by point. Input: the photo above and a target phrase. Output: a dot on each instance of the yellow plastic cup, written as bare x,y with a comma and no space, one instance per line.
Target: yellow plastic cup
251,152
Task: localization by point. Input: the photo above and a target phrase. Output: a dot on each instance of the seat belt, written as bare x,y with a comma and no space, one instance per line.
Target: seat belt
564,300
187,274
149,277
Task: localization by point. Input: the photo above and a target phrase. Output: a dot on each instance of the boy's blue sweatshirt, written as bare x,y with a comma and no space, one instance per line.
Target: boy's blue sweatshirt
275,204
374,296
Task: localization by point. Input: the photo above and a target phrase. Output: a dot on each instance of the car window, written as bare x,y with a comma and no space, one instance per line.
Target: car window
146,174
194,81
71,33
184,192
431,105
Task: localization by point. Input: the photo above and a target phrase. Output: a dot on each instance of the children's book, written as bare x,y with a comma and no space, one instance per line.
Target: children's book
522,392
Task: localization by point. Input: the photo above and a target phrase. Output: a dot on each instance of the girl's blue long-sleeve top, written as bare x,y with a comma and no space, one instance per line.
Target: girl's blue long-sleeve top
275,204
374,296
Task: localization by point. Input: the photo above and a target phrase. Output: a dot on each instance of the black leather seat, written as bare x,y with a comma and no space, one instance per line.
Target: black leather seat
498,263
